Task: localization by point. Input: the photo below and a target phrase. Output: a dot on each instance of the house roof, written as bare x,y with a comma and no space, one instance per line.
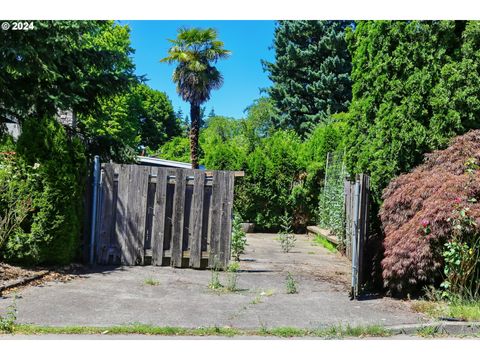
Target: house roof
147,160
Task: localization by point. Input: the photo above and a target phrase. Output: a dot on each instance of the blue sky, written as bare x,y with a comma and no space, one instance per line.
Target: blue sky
243,75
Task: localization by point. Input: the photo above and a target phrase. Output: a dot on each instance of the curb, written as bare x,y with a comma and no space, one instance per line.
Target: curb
439,328
23,281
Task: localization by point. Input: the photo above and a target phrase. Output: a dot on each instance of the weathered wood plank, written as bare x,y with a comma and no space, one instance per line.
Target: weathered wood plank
158,233
229,217
136,209
177,219
225,219
121,212
197,219
129,249
106,214
216,219
87,220
140,210
187,211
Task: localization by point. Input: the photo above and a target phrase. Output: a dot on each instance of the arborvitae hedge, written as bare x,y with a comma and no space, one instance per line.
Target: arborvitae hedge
415,85
51,233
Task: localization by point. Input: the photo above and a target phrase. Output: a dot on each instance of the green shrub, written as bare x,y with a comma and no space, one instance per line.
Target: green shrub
177,149
239,240
285,236
224,144
17,182
415,86
282,174
273,182
291,284
50,234
7,322
332,197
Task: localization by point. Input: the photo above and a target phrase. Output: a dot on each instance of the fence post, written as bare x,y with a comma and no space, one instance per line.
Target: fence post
96,181
356,204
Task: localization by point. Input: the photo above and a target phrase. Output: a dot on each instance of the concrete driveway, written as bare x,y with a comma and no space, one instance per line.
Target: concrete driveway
115,296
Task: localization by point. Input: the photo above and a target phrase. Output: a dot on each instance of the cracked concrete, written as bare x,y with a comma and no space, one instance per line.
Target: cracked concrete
115,296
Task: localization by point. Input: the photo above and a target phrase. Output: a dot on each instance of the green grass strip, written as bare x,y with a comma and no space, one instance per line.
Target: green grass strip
323,241
142,329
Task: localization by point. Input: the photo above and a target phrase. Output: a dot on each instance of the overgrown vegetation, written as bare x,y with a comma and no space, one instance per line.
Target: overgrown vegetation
231,277
291,284
151,282
333,332
7,321
47,173
321,240
286,237
86,67
453,307
332,197
239,239
430,222
215,283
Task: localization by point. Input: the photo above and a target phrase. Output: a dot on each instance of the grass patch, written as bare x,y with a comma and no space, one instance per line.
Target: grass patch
465,310
284,332
459,309
323,241
151,282
428,331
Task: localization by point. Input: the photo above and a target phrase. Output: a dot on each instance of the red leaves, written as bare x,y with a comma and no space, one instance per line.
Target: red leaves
424,200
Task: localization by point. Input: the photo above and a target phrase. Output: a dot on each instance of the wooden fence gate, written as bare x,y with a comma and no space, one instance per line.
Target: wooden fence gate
356,226
161,216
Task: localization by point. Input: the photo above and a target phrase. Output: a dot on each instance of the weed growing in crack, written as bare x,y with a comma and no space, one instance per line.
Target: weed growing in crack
215,283
285,236
291,284
232,276
151,281
7,322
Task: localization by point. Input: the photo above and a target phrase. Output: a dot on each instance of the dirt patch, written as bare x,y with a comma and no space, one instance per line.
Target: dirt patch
9,273
14,278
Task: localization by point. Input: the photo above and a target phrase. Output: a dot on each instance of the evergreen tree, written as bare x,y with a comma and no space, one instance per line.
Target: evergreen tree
415,85
63,65
311,73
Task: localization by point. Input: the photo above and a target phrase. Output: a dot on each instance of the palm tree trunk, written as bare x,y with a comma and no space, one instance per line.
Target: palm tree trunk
194,134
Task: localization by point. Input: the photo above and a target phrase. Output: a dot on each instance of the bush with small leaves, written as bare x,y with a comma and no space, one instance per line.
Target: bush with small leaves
239,239
291,284
285,236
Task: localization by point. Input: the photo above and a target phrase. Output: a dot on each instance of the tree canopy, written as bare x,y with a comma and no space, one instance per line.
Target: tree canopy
63,65
195,51
310,74
415,85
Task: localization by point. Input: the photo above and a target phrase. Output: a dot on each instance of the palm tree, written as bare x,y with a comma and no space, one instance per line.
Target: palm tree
195,50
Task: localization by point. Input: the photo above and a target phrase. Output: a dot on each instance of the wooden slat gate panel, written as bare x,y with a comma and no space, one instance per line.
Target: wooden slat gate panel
356,226
164,215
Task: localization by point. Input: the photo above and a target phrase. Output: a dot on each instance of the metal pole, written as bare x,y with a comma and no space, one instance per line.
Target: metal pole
96,182
354,240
